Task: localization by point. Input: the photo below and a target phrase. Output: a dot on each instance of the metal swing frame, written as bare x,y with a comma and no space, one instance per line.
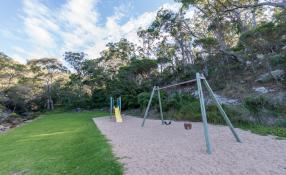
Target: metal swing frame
199,78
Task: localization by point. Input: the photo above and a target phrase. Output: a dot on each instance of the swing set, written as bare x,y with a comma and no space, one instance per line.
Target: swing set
199,78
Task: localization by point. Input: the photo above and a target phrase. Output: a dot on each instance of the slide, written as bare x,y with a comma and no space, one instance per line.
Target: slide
118,117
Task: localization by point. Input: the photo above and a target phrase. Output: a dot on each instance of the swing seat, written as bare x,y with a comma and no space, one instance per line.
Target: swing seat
188,126
167,123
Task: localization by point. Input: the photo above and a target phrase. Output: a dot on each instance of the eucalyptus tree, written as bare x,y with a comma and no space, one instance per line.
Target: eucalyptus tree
10,71
116,55
47,70
225,21
169,39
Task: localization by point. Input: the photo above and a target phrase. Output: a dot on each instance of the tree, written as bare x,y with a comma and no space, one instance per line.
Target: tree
76,61
116,55
47,69
133,79
169,39
10,71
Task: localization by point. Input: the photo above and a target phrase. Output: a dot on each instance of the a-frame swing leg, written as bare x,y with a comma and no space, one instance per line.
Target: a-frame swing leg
160,105
203,112
111,107
221,111
148,106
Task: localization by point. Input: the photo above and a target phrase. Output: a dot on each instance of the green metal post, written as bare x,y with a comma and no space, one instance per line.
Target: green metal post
148,106
119,103
225,117
203,112
111,106
160,104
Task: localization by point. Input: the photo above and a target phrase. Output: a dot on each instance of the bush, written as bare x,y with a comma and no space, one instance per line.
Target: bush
14,115
2,108
189,111
255,103
142,99
99,99
278,60
281,123
237,114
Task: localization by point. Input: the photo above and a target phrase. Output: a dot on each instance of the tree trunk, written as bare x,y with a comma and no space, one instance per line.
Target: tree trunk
50,103
253,11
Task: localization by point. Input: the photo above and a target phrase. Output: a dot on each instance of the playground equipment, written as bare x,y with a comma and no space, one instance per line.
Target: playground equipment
116,109
199,78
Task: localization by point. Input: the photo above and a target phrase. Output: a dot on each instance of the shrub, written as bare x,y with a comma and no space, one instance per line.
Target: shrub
255,103
237,114
143,99
281,123
14,115
214,117
2,108
189,111
278,60
99,98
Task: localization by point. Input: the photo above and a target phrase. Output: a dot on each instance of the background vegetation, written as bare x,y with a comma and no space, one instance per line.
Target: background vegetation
240,46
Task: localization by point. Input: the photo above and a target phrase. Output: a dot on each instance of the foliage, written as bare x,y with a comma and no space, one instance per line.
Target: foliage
265,38
264,130
143,99
281,123
278,60
256,103
99,99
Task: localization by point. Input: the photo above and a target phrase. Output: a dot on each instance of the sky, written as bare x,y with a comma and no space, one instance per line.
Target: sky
47,28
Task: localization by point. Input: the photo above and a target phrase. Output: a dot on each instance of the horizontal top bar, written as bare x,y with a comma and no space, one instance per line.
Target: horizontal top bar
172,85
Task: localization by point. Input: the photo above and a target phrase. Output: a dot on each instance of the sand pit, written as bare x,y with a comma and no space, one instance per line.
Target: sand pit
169,150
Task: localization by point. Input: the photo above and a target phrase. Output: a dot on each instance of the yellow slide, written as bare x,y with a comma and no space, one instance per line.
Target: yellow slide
118,117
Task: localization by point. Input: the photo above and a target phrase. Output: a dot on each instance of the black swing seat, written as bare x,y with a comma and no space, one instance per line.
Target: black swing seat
167,122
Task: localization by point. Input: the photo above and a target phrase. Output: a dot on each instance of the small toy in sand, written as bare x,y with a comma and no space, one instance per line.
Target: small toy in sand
188,126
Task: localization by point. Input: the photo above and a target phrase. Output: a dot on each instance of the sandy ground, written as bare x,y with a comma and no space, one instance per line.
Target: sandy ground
169,150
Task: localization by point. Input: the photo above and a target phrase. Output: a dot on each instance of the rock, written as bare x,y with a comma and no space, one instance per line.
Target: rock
248,62
260,56
262,90
284,48
276,74
4,116
17,121
222,100
4,128
77,109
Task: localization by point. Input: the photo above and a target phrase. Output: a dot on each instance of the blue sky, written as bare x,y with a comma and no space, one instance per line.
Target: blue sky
48,28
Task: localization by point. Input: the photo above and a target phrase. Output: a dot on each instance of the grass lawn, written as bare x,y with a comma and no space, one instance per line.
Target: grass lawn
265,130
58,143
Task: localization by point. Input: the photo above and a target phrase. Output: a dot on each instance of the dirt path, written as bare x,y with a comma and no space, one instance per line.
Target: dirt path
172,150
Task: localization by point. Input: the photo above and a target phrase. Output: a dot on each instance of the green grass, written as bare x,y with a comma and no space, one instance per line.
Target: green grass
265,130
58,143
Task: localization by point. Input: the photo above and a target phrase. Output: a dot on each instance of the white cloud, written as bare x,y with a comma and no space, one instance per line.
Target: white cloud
74,27
18,58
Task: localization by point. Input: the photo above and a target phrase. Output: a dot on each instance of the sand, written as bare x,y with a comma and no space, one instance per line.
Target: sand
169,150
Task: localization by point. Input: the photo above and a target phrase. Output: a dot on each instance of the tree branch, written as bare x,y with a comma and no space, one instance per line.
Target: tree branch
273,4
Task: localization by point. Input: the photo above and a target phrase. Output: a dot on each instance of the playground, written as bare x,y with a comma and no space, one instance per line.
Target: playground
150,146
136,87
157,149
